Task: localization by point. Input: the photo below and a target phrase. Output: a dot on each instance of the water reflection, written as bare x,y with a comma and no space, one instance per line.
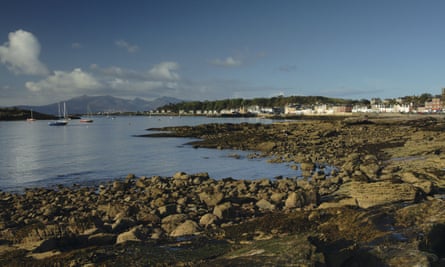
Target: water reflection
34,154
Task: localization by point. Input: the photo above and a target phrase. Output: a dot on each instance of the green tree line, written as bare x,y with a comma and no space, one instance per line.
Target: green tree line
281,101
278,101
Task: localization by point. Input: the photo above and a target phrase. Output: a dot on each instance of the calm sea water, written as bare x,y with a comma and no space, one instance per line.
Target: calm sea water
35,154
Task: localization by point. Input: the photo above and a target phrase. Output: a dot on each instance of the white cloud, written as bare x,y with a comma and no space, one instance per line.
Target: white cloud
129,47
153,82
77,80
21,54
228,62
164,71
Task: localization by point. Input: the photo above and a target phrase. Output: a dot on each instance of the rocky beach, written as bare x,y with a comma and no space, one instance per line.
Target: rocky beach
371,193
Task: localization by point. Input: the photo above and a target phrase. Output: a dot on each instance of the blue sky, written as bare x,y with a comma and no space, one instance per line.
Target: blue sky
205,50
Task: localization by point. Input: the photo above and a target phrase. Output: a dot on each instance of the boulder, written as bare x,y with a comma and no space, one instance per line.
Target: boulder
307,166
294,200
211,199
148,218
181,176
188,227
129,236
224,210
208,219
277,197
170,222
266,146
263,204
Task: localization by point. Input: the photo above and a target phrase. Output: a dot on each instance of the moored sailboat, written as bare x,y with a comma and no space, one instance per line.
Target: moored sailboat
88,119
60,122
31,119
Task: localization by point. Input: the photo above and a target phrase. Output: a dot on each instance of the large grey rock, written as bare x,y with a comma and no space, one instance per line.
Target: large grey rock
367,195
263,204
188,227
211,199
277,197
224,210
294,200
170,222
181,176
208,219
129,236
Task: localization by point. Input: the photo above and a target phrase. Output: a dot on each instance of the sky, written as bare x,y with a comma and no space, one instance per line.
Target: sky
52,50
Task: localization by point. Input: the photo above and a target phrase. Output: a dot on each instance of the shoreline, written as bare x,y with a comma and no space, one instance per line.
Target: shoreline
384,203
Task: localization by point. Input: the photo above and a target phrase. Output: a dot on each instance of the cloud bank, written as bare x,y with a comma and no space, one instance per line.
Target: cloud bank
65,81
153,82
21,54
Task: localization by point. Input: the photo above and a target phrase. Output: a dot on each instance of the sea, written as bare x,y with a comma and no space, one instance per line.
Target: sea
33,154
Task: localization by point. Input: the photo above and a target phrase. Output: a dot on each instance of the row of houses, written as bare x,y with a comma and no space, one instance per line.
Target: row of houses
435,105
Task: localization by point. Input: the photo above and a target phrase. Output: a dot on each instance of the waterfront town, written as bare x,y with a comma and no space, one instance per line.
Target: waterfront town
432,105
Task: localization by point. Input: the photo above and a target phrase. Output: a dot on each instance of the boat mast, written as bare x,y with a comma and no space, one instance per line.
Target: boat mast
64,110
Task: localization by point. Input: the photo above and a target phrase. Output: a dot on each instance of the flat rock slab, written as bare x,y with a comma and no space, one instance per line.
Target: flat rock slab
367,195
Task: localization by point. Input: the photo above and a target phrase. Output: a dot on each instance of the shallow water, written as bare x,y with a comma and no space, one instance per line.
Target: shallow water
34,154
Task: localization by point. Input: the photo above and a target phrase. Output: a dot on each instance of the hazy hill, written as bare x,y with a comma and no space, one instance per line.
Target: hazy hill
94,104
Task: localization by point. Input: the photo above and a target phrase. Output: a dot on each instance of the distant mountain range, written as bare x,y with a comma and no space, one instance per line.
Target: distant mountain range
103,104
